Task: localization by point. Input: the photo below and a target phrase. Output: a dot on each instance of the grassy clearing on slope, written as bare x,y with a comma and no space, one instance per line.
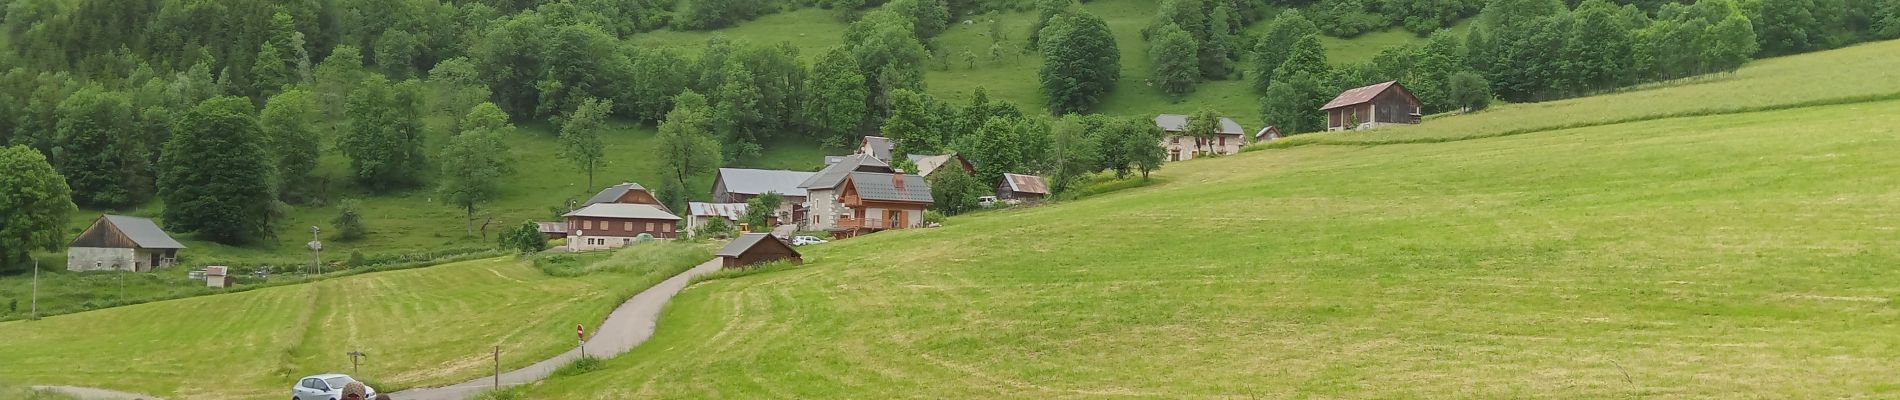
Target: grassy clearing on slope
421,327
418,220
63,292
1736,256
1855,74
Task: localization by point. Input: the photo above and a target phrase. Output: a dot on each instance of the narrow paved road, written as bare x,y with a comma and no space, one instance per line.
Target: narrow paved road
86,393
628,326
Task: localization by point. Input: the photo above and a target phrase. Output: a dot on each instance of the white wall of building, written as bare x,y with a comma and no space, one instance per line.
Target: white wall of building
101,259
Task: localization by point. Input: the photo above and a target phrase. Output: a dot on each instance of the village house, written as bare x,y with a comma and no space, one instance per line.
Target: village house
1017,188
1182,147
756,248
698,214
875,201
822,189
738,185
611,225
1371,106
877,146
121,243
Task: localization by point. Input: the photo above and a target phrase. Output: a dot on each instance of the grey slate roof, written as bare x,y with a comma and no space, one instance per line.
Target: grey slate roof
882,187
623,210
1177,123
833,175
612,193
760,181
745,242
144,232
880,146
551,227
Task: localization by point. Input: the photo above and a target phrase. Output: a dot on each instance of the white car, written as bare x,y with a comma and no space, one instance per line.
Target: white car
805,240
326,387
986,201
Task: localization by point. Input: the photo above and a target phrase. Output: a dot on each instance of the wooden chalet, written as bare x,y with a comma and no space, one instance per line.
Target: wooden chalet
1017,188
1371,106
878,201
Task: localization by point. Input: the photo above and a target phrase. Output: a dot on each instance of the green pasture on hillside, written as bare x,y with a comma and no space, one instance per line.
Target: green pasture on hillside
1744,255
420,327
1854,74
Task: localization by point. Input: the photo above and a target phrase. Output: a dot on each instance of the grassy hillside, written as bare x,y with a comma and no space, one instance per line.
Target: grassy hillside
417,220
1854,74
421,327
1704,257
1013,76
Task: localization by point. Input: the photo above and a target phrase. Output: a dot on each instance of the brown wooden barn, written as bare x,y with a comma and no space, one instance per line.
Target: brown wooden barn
1371,106
757,248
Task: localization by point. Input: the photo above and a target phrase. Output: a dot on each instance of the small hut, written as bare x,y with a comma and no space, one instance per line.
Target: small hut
218,277
757,248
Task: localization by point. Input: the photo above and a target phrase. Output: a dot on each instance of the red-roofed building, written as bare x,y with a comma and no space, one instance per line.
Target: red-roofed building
1371,106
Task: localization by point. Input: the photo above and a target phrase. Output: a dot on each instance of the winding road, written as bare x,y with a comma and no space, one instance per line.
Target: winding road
629,325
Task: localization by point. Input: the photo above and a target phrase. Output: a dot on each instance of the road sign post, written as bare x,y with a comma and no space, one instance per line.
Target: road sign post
497,367
36,289
316,250
354,355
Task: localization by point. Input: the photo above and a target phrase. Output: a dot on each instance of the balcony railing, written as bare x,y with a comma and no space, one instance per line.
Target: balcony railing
868,223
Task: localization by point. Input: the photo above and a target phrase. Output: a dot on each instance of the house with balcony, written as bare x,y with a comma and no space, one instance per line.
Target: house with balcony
875,201
822,202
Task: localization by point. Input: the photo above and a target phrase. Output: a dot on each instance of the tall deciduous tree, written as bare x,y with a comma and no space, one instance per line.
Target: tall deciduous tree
888,54
455,87
1468,91
473,165
336,80
35,204
761,211
954,192
1293,103
686,144
384,142
909,126
216,175
580,136
1272,49
1173,58
1080,63
658,75
1072,153
99,150
1204,126
1046,10
269,74
290,121
836,108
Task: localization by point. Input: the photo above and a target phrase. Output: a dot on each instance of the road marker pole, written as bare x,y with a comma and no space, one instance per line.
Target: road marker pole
36,289
497,367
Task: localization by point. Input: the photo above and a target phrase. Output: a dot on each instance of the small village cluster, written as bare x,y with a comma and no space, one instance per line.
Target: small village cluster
853,195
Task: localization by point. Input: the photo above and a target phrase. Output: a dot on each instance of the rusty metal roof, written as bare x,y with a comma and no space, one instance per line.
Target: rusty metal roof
1026,184
1359,95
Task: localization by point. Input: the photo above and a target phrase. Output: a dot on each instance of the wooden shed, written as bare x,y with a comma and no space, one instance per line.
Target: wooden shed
757,248
1371,106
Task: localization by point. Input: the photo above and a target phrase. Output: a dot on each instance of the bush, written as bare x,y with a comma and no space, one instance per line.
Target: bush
349,221
356,259
933,217
524,239
579,366
511,393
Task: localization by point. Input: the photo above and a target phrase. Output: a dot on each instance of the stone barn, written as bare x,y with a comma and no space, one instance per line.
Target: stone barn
121,243
757,248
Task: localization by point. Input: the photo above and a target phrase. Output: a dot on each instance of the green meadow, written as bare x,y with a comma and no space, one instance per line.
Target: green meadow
1854,74
421,327
1730,256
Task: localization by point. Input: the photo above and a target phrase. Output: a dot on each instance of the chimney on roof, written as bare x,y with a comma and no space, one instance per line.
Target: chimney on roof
897,180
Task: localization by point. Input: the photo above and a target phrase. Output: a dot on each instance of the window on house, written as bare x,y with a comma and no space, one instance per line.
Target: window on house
649,227
627,226
587,224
